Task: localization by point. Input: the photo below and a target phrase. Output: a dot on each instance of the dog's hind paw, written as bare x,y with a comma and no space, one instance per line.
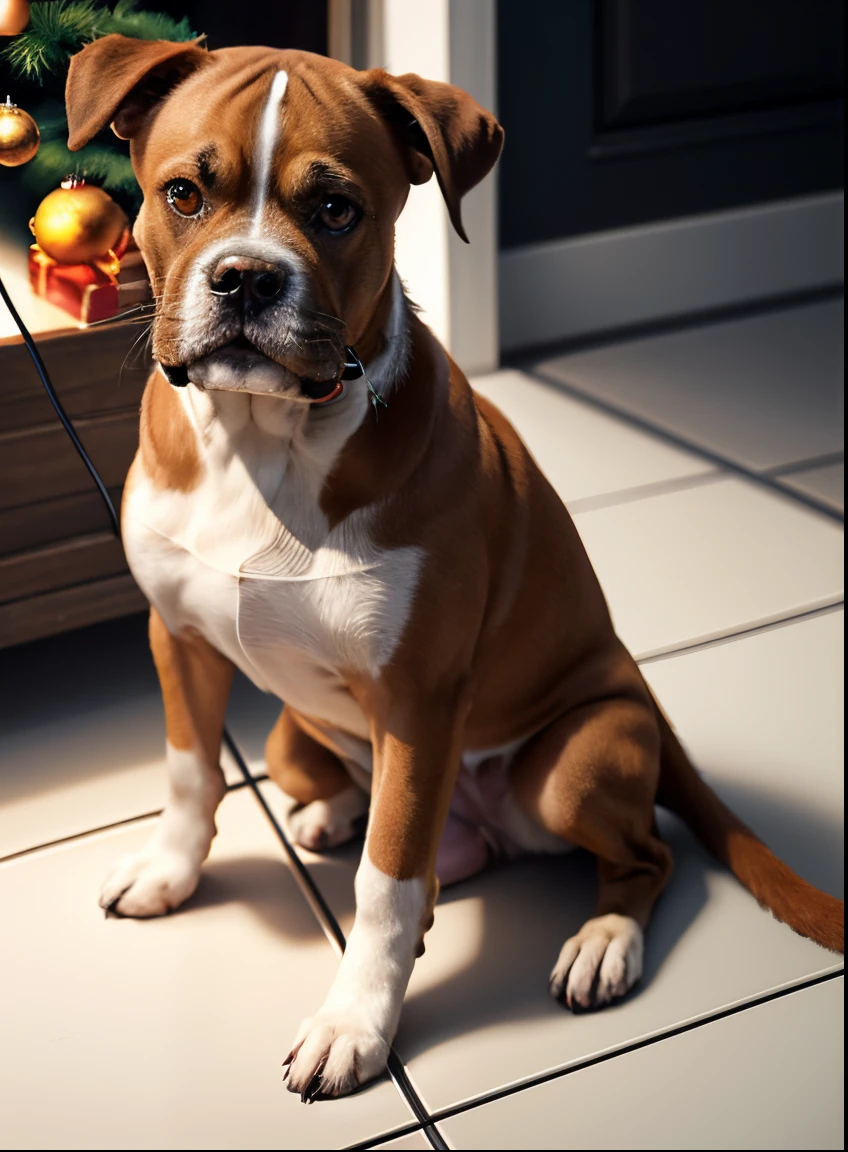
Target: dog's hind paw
149,884
600,964
334,1054
328,823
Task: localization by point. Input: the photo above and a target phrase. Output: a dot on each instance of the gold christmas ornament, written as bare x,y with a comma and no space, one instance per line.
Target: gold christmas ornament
14,17
19,135
78,222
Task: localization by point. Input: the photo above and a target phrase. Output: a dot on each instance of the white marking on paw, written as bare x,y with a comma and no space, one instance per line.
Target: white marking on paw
150,883
327,823
599,964
334,1053
166,871
347,1042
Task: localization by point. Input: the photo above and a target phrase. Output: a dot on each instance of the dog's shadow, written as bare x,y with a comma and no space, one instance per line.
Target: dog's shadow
527,910
510,922
261,884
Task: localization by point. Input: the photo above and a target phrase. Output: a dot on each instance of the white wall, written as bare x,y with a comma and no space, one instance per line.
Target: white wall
455,284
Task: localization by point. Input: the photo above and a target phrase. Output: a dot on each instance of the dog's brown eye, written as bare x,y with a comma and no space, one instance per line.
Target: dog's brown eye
184,197
337,214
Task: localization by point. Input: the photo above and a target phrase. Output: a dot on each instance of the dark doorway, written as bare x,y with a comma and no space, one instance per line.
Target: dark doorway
624,112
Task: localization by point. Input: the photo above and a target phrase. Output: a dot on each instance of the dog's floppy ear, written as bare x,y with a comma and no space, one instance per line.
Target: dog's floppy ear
119,80
439,127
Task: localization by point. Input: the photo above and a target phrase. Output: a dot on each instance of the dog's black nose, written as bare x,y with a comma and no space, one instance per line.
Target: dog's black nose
256,281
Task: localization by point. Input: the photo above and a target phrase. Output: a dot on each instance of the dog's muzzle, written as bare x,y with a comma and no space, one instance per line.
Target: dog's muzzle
317,391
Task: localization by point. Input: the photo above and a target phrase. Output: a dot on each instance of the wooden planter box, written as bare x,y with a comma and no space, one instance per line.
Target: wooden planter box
60,565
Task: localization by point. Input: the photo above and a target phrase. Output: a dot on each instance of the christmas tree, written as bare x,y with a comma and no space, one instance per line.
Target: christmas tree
34,70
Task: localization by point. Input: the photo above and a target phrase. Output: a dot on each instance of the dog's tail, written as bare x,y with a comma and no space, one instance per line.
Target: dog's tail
806,910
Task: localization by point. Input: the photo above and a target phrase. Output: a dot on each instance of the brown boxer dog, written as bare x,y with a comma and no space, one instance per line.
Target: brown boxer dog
376,548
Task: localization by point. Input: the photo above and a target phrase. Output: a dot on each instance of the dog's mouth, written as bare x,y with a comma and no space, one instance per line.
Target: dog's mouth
241,346
239,366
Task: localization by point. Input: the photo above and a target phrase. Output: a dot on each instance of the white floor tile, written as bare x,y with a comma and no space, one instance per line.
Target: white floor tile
826,484
769,1077
763,391
82,740
762,718
166,1033
584,453
413,1140
685,566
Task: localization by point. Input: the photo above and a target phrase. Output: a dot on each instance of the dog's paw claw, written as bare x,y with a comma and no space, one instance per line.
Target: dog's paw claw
598,965
313,1088
111,909
149,884
334,1056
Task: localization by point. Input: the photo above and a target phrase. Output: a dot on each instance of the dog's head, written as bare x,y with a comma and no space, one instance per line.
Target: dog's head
272,182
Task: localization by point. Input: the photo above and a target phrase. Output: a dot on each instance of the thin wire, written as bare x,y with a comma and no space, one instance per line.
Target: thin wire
60,411
376,398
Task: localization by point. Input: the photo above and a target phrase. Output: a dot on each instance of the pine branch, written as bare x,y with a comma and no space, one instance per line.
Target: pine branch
59,28
146,25
97,163
56,30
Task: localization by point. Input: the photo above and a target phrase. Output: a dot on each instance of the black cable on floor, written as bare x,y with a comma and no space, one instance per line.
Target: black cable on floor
60,411
333,928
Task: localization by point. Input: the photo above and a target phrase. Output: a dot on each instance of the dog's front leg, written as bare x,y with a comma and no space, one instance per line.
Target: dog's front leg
195,681
417,748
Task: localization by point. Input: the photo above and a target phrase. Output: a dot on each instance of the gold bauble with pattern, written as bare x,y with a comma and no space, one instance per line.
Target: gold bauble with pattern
19,135
78,222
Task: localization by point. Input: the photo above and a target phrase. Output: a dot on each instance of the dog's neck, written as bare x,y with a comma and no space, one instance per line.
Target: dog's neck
348,455
386,345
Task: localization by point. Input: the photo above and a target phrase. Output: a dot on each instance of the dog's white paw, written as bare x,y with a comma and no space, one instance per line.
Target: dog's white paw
334,1053
328,823
150,883
600,963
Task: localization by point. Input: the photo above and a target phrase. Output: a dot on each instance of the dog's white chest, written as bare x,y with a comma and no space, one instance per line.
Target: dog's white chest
246,558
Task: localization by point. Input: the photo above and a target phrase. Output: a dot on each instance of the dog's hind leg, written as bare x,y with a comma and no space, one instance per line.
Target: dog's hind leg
591,778
329,808
195,681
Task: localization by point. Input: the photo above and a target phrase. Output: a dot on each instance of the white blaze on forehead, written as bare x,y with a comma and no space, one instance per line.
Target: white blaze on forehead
266,144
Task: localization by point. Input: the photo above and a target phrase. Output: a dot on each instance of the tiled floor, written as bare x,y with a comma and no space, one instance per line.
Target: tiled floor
729,588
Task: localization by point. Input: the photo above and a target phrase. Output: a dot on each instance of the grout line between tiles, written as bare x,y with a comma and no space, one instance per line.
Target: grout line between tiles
334,934
384,1137
664,326
751,630
81,835
764,479
643,492
103,828
792,489
808,465
649,1041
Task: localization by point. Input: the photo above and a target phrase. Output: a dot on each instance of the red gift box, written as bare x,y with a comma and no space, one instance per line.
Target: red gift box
88,291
